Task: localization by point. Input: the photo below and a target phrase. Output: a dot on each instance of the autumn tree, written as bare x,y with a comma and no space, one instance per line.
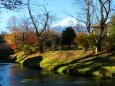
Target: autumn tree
11,5
21,32
12,26
26,31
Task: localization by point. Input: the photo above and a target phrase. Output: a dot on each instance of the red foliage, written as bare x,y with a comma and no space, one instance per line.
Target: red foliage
13,46
30,38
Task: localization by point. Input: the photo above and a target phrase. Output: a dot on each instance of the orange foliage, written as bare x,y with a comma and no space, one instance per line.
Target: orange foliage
9,39
29,38
79,37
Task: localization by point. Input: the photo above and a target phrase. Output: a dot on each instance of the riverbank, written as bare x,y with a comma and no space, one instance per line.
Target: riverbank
73,62
4,54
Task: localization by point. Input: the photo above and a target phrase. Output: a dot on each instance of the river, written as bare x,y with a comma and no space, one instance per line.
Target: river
14,75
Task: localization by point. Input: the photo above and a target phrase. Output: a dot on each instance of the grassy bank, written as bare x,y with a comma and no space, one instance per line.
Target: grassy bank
75,62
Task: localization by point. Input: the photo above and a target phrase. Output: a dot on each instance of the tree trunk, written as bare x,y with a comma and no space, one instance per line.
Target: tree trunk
69,46
37,33
99,45
101,37
88,23
22,40
41,48
40,44
104,14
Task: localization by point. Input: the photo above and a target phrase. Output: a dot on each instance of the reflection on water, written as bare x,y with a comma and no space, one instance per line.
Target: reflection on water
15,75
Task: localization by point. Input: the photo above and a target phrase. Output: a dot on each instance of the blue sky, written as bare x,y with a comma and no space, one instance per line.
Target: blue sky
60,8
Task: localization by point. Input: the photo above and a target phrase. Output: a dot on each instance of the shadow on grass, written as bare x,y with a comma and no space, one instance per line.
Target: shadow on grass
72,62
92,62
33,62
100,61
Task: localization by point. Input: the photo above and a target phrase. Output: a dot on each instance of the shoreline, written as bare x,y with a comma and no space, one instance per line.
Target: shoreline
72,62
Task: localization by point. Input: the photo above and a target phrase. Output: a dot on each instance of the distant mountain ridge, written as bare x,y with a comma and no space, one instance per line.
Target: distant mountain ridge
69,22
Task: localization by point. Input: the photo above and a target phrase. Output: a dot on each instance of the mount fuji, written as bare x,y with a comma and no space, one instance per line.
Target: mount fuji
69,22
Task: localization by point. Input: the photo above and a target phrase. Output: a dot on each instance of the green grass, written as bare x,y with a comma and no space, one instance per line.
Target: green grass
75,62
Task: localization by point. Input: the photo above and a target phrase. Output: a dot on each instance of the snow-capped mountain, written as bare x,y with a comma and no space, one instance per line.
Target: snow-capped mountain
69,22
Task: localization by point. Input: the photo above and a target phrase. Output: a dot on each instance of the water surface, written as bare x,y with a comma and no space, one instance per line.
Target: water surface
14,75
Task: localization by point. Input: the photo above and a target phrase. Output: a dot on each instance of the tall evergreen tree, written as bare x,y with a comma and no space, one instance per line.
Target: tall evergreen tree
68,36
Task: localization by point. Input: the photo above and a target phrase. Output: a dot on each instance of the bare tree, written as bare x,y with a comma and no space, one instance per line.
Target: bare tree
88,13
39,34
25,27
32,19
101,10
86,9
103,15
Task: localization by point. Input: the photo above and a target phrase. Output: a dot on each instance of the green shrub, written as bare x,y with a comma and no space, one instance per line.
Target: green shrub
110,42
82,41
91,39
26,48
86,40
34,49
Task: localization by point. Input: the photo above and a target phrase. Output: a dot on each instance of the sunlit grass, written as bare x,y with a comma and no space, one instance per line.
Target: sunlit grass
60,57
101,65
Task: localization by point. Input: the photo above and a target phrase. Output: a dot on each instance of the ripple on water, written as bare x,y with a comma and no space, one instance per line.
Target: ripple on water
15,75
4,64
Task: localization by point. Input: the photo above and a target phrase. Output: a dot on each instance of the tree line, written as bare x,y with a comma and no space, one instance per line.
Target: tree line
96,13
